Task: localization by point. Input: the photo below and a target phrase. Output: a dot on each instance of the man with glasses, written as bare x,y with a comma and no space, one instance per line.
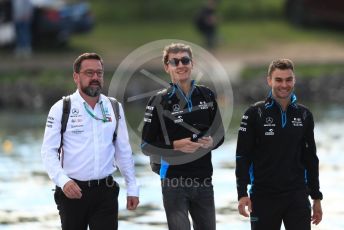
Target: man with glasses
86,194
182,124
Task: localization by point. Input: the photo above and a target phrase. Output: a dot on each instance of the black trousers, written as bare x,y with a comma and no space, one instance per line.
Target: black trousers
293,209
97,208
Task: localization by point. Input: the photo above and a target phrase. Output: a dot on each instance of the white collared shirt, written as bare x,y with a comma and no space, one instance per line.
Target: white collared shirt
88,150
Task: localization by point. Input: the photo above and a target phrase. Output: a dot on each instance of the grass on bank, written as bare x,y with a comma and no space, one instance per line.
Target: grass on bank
242,36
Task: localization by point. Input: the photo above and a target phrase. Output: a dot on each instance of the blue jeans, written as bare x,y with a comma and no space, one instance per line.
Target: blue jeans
183,196
23,35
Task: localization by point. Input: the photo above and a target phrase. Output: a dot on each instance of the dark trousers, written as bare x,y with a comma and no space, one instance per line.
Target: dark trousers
293,209
97,208
192,196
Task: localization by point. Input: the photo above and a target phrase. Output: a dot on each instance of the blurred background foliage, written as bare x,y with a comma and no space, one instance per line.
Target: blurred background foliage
249,31
119,11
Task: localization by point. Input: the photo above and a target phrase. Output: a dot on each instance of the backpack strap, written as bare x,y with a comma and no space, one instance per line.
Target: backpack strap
115,107
64,121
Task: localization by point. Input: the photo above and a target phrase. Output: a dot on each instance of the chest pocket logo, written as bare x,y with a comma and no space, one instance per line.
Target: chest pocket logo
203,105
75,111
176,108
269,122
297,122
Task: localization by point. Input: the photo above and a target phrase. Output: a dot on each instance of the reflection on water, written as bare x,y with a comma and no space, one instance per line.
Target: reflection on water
26,194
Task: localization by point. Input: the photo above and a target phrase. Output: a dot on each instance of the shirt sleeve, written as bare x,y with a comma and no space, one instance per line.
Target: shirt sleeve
311,160
51,143
244,151
124,158
217,131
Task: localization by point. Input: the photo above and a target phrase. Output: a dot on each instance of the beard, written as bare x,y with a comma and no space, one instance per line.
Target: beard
92,90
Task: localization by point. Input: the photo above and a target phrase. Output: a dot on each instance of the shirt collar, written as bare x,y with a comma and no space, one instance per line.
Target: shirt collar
270,100
175,86
82,100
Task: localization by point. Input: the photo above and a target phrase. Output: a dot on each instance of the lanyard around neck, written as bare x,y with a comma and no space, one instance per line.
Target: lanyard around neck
104,119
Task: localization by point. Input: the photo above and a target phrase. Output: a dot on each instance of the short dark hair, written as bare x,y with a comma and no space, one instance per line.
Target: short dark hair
175,48
282,64
85,56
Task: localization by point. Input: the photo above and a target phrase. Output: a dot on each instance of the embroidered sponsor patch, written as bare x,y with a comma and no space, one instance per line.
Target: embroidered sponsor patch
148,120
75,111
50,122
179,120
203,105
270,132
242,129
176,108
297,122
148,114
77,131
269,122
150,107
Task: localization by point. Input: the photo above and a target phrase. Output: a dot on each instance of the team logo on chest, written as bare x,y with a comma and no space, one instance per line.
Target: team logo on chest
269,122
203,105
297,122
175,107
75,111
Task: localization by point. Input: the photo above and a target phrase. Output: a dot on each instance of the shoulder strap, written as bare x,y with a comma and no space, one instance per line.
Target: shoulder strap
115,107
65,114
64,121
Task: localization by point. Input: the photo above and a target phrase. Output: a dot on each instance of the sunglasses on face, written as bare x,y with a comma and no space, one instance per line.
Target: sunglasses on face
175,61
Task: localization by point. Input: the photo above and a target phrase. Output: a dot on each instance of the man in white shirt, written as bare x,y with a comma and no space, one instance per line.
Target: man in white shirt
86,194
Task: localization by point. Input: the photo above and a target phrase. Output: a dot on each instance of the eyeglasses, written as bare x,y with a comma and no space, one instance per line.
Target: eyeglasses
175,61
90,73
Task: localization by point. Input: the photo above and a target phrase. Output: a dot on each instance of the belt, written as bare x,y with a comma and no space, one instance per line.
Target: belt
108,181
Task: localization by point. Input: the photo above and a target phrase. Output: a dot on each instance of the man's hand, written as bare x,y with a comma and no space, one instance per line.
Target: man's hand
206,142
132,202
317,212
243,203
72,190
186,145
